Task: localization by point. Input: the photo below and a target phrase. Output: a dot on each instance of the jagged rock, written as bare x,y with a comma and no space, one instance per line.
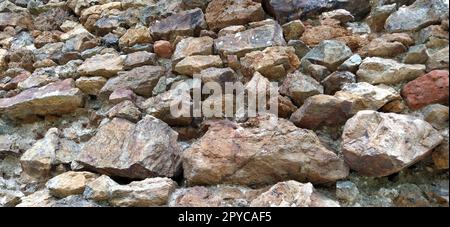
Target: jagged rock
336,80
389,45
10,198
218,75
40,198
121,94
329,53
213,196
135,36
313,36
416,16
194,64
346,190
74,201
436,115
379,144
90,85
416,55
364,96
99,189
121,148
106,65
273,62
140,80
138,59
163,48
441,152
237,152
250,40
377,70
301,49
186,23
351,64
299,87
293,30
231,30
126,109
224,13
193,46
427,89
58,98
378,16
22,20
292,194
69,183
438,60
321,110
341,15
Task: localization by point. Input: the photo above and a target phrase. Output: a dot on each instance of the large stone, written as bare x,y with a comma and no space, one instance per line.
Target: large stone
194,64
364,96
321,110
378,15
69,183
273,62
250,40
377,70
440,154
41,198
313,36
438,60
389,45
121,148
293,30
299,87
336,80
56,98
329,53
380,144
138,59
193,46
22,20
416,16
141,80
224,13
90,85
185,23
293,194
106,65
263,150
427,89
135,36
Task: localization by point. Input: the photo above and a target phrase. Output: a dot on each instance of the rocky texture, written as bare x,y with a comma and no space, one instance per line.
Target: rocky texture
193,46
368,139
427,89
121,148
69,183
194,64
249,147
299,87
106,65
329,53
186,23
224,13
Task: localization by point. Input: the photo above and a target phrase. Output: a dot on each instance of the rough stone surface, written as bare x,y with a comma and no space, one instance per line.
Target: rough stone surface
299,87
329,53
69,183
224,13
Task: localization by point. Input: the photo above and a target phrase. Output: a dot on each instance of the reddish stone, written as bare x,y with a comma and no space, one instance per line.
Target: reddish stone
427,89
163,49
121,94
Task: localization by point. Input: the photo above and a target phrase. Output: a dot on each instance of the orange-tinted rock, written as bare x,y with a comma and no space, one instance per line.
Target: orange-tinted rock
163,49
224,13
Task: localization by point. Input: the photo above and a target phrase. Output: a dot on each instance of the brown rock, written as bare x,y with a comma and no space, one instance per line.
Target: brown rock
185,23
106,65
90,85
314,35
163,49
193,46
224,13
194,64
293,30
299,87
138,59
121,94
69,183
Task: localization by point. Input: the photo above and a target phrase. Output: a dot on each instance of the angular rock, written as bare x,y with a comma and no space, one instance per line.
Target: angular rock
58,98
121,148
321,110
218,75
125,109
377,70
292,194
40,198
186,23
193,46
10,198
351,64
416,16
340,15
441,153
231,30
329,53
106,65
121,94
90,85
299,87
378,16
364,96
380,144
385,47
438,60
313,36
301,49
416,55
273,62
238,152
250,40
163,48
427,89
69,183
135,36
99,189
336,80
437,115
194,64
224,13
141,80
138,59
293,30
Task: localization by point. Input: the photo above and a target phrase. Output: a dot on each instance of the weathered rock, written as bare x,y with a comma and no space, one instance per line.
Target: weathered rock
163,48
22,20
351,64
135,36
231,30
218,75
321,110
292,194
69,183
410,195
249,148
299,87
186,23
213,196
125,109
329,53
121,148
301,49
58,98
416,55
147,193
346,190
90,85
40,198
194,64
293,30
10,198
388,46
138,59
250,40
438,60
419,15
273,62
378,16
380,144
441,153
106,65
224,13
387,71
75,201
99,189
427,89
193,46
436,115
364,96
313,36
341,15
140,80
336,80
